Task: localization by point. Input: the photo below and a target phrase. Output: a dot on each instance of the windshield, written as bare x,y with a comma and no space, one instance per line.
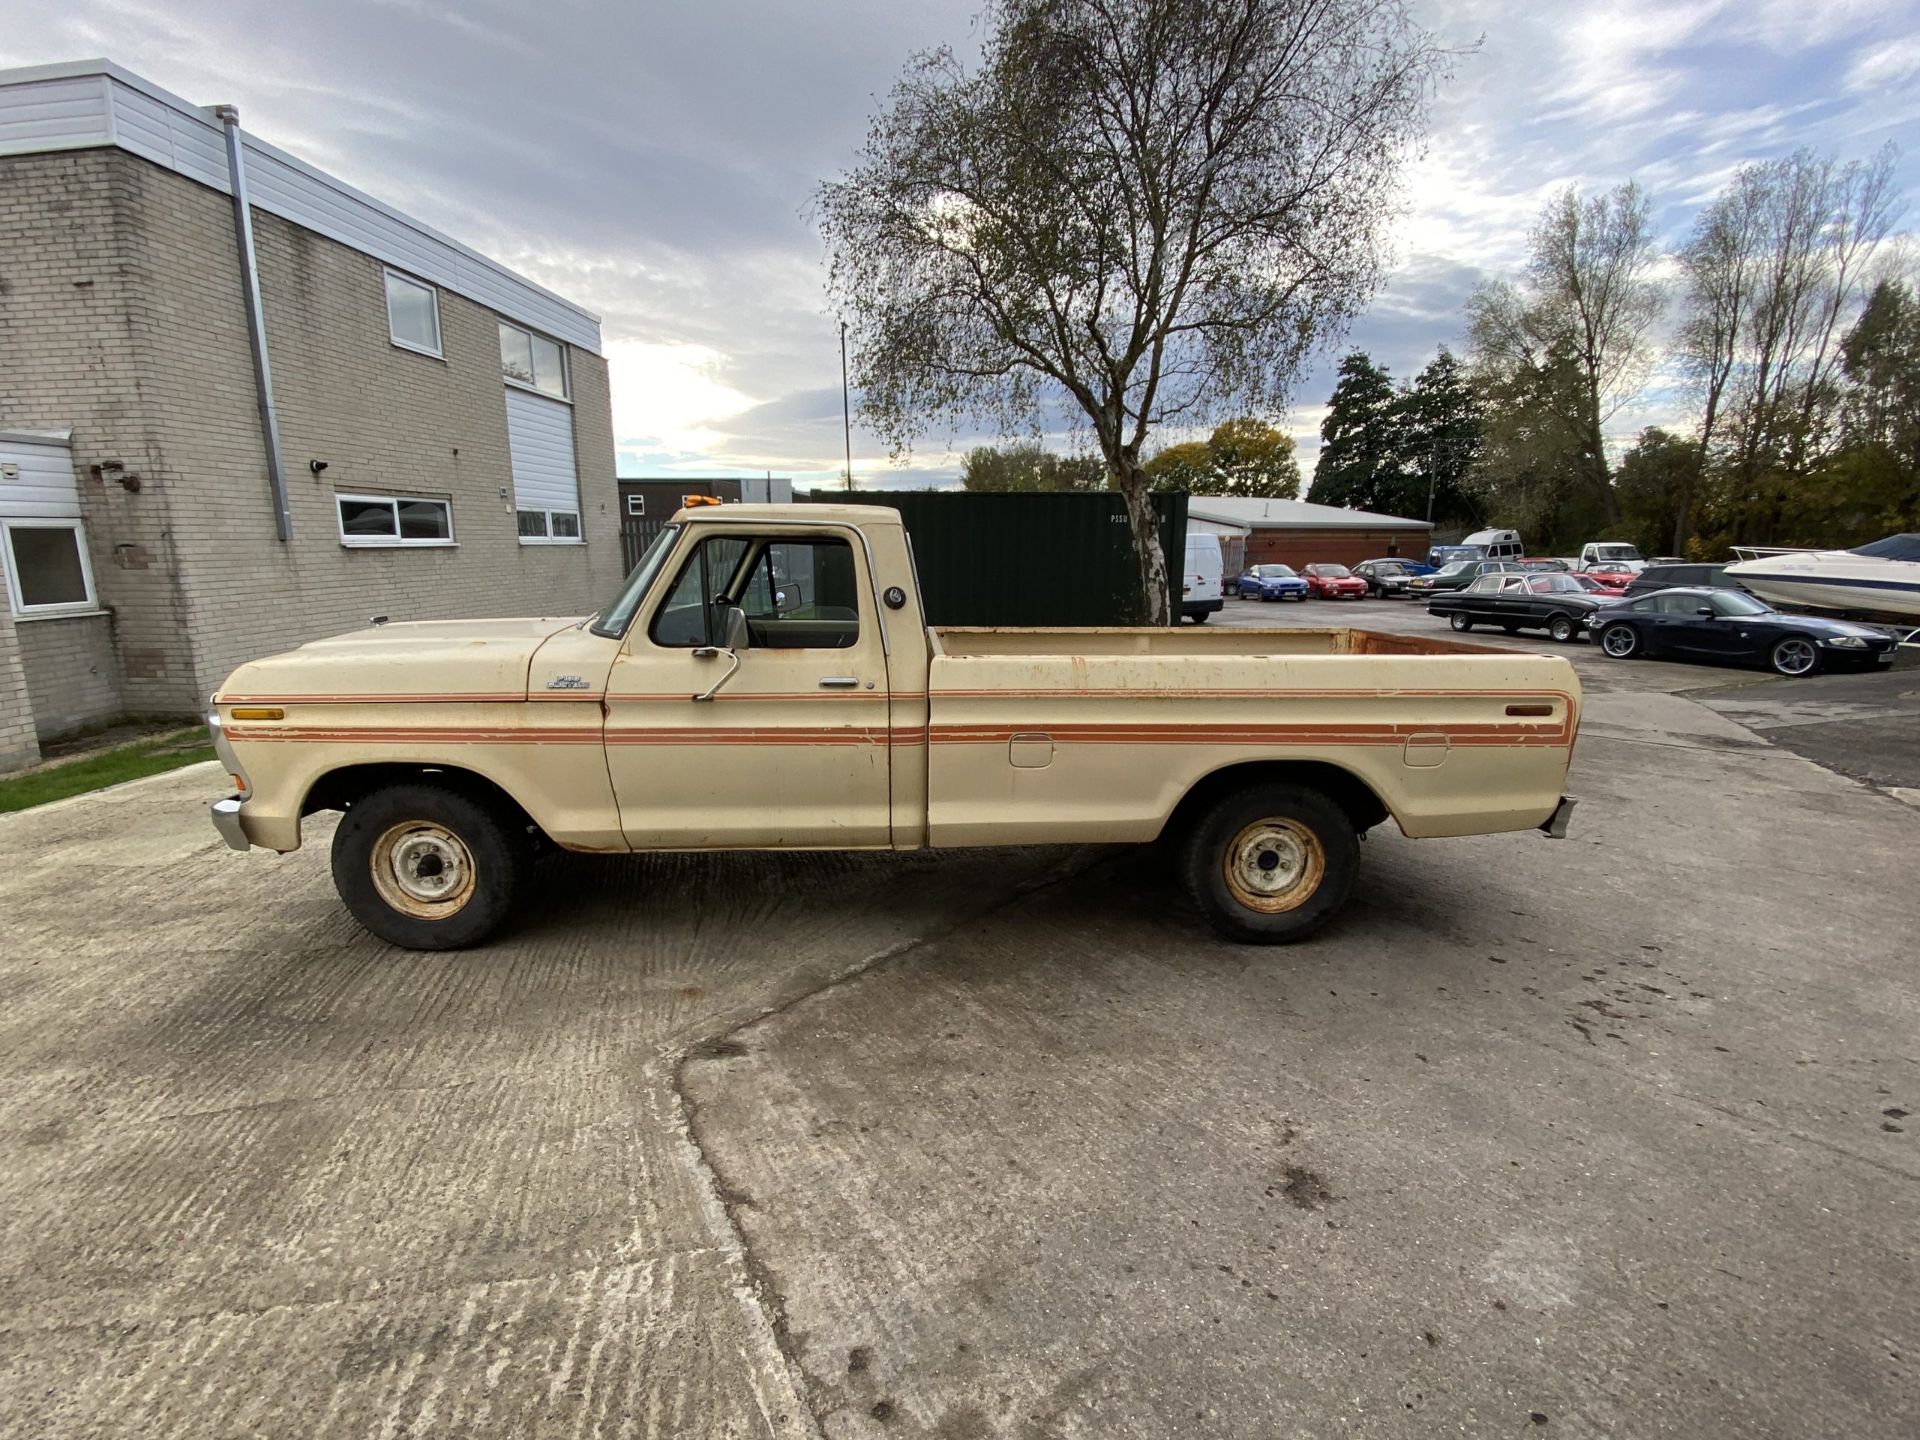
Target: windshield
1328,572
1274,572
1894,547
1458,567
1388,567
1729,602
613,620
1616,552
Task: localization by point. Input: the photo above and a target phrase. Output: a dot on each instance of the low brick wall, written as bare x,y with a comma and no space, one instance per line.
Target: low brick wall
72,680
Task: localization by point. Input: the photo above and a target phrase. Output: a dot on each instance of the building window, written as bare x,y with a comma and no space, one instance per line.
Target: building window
560,526
47,569
394,520
413,314
636,504
533,360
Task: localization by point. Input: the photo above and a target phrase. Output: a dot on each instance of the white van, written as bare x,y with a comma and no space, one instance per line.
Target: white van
1496,544
1200,578
1611,552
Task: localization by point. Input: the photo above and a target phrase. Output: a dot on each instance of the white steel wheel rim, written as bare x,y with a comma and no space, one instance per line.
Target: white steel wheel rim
1794,656
423,870
1459,622
1274,865
1618,641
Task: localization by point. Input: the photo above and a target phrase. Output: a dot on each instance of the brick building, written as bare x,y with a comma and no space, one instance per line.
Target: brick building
445,443
1296,533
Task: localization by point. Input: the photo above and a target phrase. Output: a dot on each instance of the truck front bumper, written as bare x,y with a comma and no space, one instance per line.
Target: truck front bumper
226,819
1554,827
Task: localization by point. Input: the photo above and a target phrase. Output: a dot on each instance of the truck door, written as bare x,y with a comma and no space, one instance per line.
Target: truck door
792,748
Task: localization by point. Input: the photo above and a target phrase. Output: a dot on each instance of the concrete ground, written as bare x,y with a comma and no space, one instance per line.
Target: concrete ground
1607,1136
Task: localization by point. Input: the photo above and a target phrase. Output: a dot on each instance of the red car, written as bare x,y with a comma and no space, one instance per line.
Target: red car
1333,582
1607,585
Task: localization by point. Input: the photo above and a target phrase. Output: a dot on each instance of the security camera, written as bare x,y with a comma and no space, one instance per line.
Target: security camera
316,466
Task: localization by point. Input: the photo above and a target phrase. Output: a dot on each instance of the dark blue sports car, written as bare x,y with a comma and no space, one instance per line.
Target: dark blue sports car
1734,628
1272,582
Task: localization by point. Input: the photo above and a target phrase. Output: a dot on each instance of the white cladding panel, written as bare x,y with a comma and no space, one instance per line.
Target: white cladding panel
62,114
540,436
37,482
49,109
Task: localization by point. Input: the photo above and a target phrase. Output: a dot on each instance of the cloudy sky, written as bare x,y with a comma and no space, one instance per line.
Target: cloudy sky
654,160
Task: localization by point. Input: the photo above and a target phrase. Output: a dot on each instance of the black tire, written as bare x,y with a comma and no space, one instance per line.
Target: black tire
1622,642
1200,617
396,844
1312,841
1460,620
1509,629
1562,628
1794,656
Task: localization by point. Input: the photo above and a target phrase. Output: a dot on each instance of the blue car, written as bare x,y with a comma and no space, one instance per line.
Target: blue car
1272,582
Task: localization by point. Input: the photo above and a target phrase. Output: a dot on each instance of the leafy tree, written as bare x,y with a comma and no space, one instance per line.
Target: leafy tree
1186,467
1440,433
1361,449
1246,456
1029,466
1532,472
1776,266
1144,209
1585,308
1652,484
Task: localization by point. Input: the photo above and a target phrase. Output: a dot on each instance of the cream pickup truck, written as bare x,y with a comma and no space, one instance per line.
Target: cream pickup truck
764,681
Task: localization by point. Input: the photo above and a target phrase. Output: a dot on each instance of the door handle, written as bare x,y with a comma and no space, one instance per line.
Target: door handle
839,682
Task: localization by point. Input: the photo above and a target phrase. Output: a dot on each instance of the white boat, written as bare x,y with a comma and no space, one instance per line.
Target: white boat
1878,579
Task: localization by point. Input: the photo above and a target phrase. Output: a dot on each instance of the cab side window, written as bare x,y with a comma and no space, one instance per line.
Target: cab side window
796,594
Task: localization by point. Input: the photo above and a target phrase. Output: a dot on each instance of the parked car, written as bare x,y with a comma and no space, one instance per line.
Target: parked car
1620,571
1441,556
1459,575
1732,627
1596,553
1496,544
1272,582
1666,577
1334,582
1200,581
1607,587
1520,602
1386,577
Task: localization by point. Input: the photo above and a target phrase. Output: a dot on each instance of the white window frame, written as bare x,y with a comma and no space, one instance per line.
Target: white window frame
546,519
394,541
565,396
439,350
637,505
24,611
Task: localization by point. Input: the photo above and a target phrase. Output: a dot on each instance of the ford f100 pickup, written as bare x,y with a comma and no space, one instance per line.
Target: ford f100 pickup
764,680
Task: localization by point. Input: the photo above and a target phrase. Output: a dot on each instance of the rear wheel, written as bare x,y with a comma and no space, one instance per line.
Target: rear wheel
1794,656
1460,621
427,867
1200,617
1622,642
1271,864
1562,628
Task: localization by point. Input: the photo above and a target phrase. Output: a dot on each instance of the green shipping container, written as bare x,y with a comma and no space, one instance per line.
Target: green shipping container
1027,558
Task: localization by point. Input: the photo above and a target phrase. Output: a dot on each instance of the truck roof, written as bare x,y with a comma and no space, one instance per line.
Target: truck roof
795,514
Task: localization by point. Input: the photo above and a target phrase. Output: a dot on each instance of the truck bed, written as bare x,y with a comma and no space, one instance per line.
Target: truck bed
1093,735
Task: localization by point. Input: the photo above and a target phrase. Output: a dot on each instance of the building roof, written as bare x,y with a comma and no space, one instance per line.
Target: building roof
1260,514
91,104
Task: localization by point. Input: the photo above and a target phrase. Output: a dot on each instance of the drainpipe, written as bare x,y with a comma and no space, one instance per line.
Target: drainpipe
229,119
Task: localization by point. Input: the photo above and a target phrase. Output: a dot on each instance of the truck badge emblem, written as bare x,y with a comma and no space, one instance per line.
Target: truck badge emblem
566,682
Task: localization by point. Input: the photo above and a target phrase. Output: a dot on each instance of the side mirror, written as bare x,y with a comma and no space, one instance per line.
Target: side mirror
733,622
1706,610
733,626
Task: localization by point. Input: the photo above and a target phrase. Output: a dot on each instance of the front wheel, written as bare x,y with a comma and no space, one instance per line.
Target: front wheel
1200,617
1459,621
1562,629
1794,656
1622,642
426,867
1271,864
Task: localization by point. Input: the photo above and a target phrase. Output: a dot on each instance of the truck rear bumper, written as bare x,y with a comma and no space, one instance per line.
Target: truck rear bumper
1554,827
